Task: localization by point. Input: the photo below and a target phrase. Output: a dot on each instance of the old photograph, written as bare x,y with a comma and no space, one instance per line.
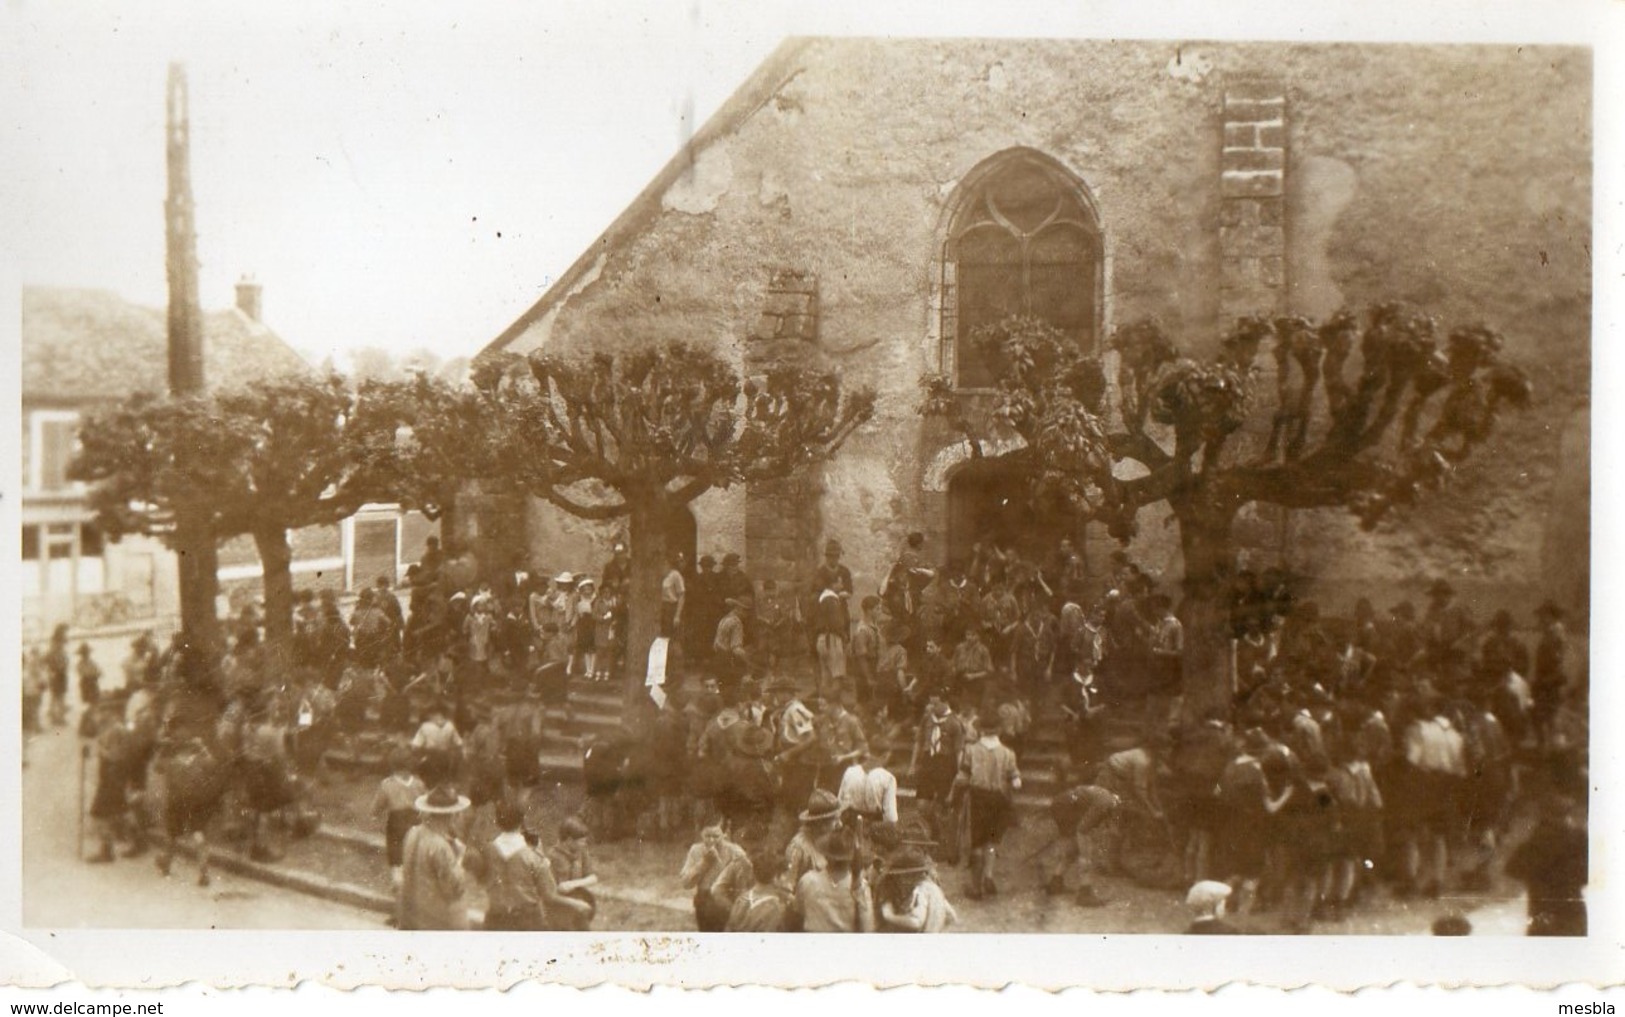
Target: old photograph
1043,485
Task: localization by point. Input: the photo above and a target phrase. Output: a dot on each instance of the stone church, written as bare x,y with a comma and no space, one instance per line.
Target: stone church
875,200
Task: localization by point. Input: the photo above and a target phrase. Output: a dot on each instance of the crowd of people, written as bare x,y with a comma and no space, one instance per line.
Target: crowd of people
792,725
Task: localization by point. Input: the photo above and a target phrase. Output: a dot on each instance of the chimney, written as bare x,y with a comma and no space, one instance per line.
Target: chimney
248,297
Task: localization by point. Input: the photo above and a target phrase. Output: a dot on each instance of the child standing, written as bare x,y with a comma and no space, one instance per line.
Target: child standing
914,902
397,795
584,628
606,610
90,678
574,869
988,774
552,674
439,746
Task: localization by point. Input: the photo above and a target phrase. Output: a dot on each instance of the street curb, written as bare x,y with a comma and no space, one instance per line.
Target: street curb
298,880
361,838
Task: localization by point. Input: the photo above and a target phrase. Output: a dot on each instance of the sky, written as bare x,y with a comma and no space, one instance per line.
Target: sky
413,175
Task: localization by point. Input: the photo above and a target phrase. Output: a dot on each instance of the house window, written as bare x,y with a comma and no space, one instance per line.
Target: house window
50,440
30,543
59,541
1024,240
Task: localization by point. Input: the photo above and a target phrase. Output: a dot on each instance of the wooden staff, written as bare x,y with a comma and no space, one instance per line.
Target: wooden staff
84,761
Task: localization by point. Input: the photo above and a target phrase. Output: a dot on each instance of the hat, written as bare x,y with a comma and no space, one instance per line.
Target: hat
739,602
572,828
707,559
1502,620
915,833
564,577
752,741
832,547
442,801
821,806
585,581
1549,609
731,558
619,547
1205,897
531,825
1440,588
908,860
1452,923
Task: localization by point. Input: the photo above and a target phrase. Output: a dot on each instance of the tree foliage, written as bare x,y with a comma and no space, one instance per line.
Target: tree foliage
1367,415
628,435
278,455
278,452
595,434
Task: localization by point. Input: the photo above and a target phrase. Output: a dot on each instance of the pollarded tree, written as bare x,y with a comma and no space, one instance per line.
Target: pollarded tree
637,435
150,458
421,439
278,455
1366,415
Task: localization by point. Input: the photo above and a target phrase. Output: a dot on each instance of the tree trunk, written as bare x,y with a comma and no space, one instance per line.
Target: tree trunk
198,560
448,519
276,566
647,537
1209,559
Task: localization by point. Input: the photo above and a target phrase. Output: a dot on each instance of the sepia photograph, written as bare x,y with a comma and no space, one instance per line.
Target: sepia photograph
695,472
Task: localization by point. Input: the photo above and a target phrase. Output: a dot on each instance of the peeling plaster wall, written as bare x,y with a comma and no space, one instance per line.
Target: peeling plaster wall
1455,177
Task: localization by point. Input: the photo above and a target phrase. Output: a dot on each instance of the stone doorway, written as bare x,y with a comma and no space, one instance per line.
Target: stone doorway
991,501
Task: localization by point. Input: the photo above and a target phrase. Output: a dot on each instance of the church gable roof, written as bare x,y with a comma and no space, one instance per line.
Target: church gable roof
750,97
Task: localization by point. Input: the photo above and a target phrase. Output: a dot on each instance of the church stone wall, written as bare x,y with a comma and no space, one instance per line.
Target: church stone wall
1226,175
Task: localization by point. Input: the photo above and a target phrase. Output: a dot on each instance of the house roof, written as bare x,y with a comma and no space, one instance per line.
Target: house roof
757,90
83,345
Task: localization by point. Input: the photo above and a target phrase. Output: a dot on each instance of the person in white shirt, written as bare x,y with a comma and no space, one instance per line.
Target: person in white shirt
869,790
1437,758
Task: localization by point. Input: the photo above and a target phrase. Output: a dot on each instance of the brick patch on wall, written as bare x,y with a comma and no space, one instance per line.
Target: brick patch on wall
1252,189
790,307
782,518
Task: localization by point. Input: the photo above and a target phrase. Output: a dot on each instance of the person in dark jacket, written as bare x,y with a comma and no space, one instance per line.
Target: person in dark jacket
1553,863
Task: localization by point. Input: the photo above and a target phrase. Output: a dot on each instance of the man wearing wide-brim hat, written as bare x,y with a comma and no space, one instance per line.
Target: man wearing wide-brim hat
752,742
797,742
805,851
836,898
433,883
1551,676
911,900
1447,632
730,659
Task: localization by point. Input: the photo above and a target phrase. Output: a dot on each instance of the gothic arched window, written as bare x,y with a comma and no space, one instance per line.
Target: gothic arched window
1024,240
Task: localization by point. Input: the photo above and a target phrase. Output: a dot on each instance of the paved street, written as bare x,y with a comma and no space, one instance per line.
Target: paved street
60,891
